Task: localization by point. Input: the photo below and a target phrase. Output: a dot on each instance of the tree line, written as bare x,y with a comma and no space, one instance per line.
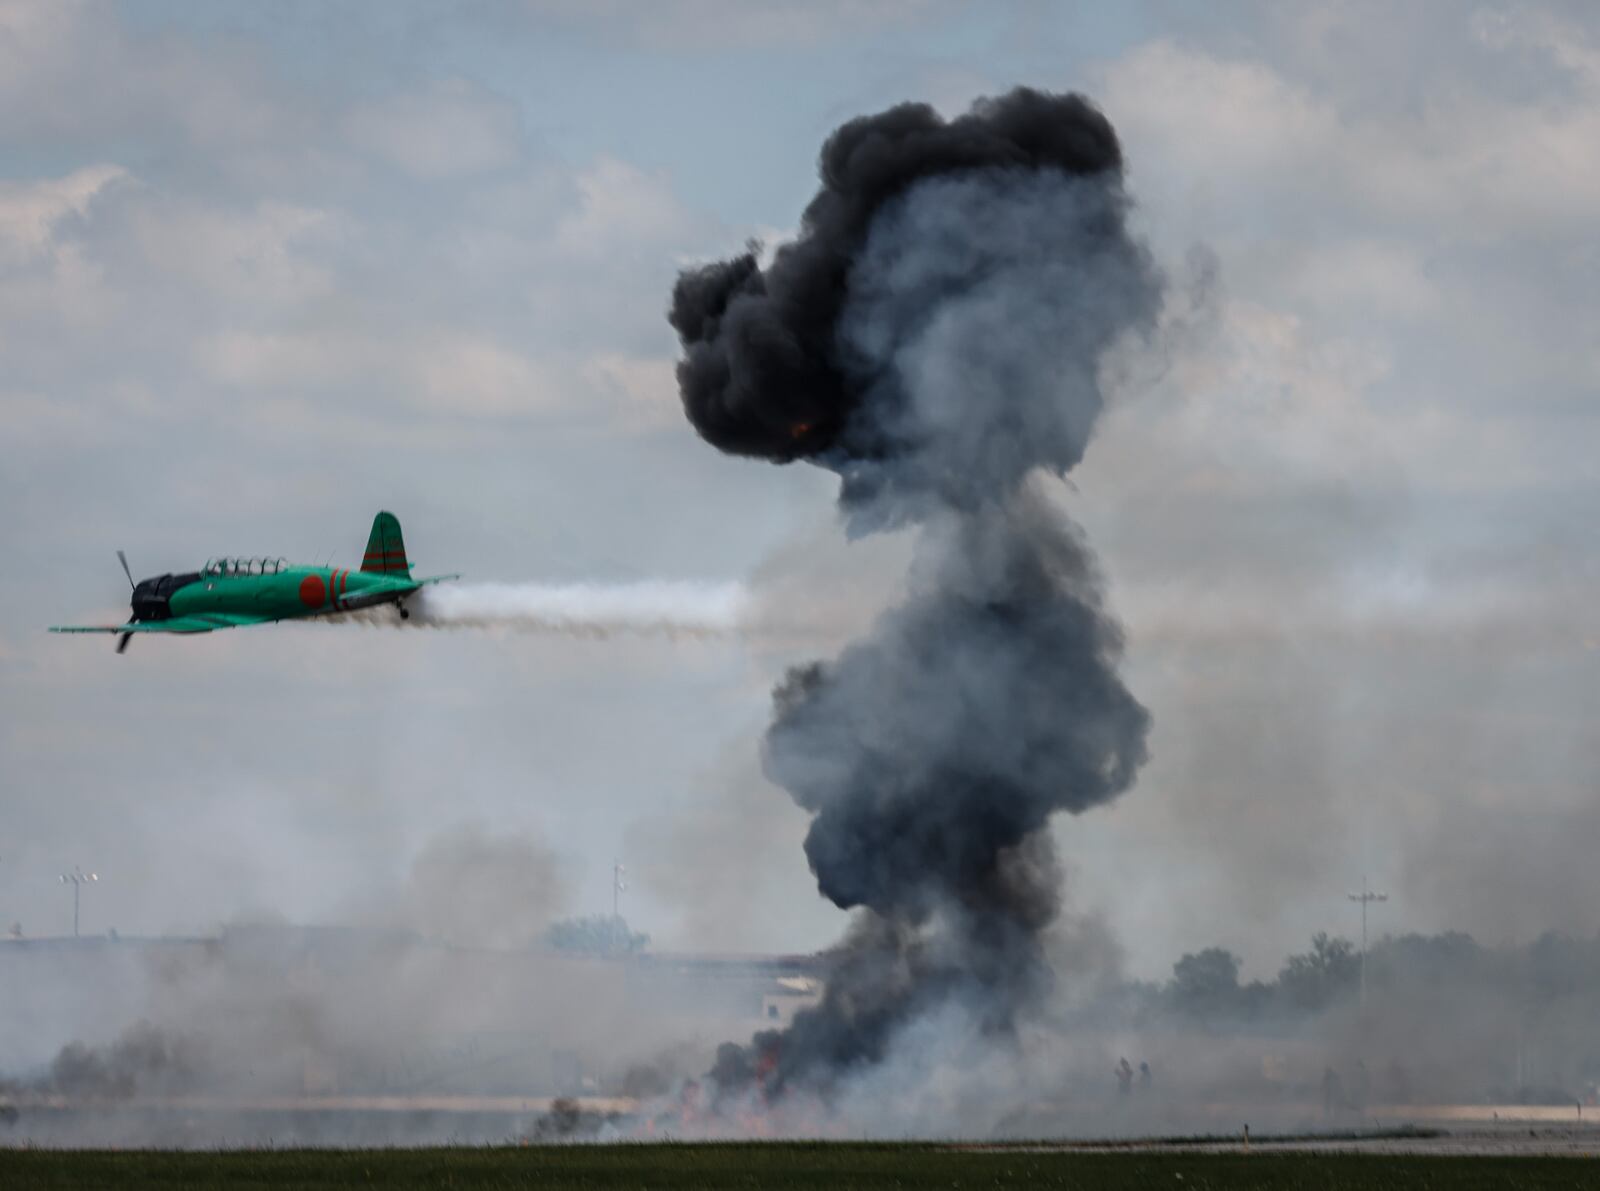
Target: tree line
1206,985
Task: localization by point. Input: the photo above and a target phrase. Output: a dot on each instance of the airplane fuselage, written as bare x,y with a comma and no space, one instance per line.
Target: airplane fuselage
265,589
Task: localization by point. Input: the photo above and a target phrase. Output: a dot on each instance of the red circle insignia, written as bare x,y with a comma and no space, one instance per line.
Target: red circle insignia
312,592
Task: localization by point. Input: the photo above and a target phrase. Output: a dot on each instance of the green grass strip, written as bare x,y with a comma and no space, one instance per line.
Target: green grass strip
777,1165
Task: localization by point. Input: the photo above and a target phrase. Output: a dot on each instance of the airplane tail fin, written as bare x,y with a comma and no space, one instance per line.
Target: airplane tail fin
386,549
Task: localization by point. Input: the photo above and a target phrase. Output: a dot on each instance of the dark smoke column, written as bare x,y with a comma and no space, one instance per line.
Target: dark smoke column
936,334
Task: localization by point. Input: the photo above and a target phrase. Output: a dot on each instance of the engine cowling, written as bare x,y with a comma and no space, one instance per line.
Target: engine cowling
152,598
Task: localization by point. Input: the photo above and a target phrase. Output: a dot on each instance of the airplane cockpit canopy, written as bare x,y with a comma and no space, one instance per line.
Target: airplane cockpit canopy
230,567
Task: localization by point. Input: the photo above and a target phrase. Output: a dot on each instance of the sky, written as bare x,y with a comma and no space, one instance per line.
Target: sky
266,269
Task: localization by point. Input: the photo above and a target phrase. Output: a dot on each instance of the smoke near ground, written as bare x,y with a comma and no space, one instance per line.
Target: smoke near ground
142,1059
936,335
438,1009
474,888
324,1035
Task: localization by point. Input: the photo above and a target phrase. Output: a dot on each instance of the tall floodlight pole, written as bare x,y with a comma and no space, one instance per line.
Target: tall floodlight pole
617,886
77,878
1366,897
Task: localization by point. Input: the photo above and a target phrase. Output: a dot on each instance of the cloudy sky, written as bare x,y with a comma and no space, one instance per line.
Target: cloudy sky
265,269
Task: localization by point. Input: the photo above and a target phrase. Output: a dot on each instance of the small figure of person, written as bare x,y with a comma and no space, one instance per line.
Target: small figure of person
1144,1077
1124,1076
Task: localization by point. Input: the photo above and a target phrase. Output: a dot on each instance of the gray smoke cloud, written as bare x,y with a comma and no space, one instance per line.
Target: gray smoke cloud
469,887
937,335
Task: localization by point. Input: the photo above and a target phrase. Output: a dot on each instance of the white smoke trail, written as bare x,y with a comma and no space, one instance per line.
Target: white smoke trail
671,608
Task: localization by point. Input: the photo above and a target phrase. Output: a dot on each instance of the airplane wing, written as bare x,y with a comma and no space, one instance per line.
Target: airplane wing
201,623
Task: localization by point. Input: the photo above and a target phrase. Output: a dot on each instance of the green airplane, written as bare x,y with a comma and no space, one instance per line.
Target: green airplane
232,592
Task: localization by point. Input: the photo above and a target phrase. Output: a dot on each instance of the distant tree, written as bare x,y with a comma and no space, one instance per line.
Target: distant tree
1256,998
1206,983
598,934
1314,979
1451,959
1559,965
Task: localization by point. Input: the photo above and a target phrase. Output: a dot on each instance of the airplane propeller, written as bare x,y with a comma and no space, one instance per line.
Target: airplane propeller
123,639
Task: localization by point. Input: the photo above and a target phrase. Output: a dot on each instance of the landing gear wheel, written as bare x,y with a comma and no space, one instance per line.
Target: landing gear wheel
405,613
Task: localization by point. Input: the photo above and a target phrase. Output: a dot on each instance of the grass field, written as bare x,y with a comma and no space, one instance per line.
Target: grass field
777,1166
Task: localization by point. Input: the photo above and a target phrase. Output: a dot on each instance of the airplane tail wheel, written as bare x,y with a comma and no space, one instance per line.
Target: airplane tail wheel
405,614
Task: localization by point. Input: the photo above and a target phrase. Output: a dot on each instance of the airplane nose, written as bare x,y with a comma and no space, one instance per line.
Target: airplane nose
149,603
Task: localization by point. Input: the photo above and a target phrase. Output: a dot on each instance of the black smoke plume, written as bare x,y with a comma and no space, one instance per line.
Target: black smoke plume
993,244
936,334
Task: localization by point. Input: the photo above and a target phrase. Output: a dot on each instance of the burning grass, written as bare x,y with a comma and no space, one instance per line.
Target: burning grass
819,1165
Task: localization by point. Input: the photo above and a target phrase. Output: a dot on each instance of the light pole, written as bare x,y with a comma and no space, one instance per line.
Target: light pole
617,886
1366,897
77,878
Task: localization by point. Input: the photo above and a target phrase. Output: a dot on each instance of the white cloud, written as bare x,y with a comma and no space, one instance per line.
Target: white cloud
1272,399
1467,164
644,389
620,206
1386,278
30,211
451,129
444,372
1213,119
35,421
725,24
1566,44
269,254
30,31
472,374
48,274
